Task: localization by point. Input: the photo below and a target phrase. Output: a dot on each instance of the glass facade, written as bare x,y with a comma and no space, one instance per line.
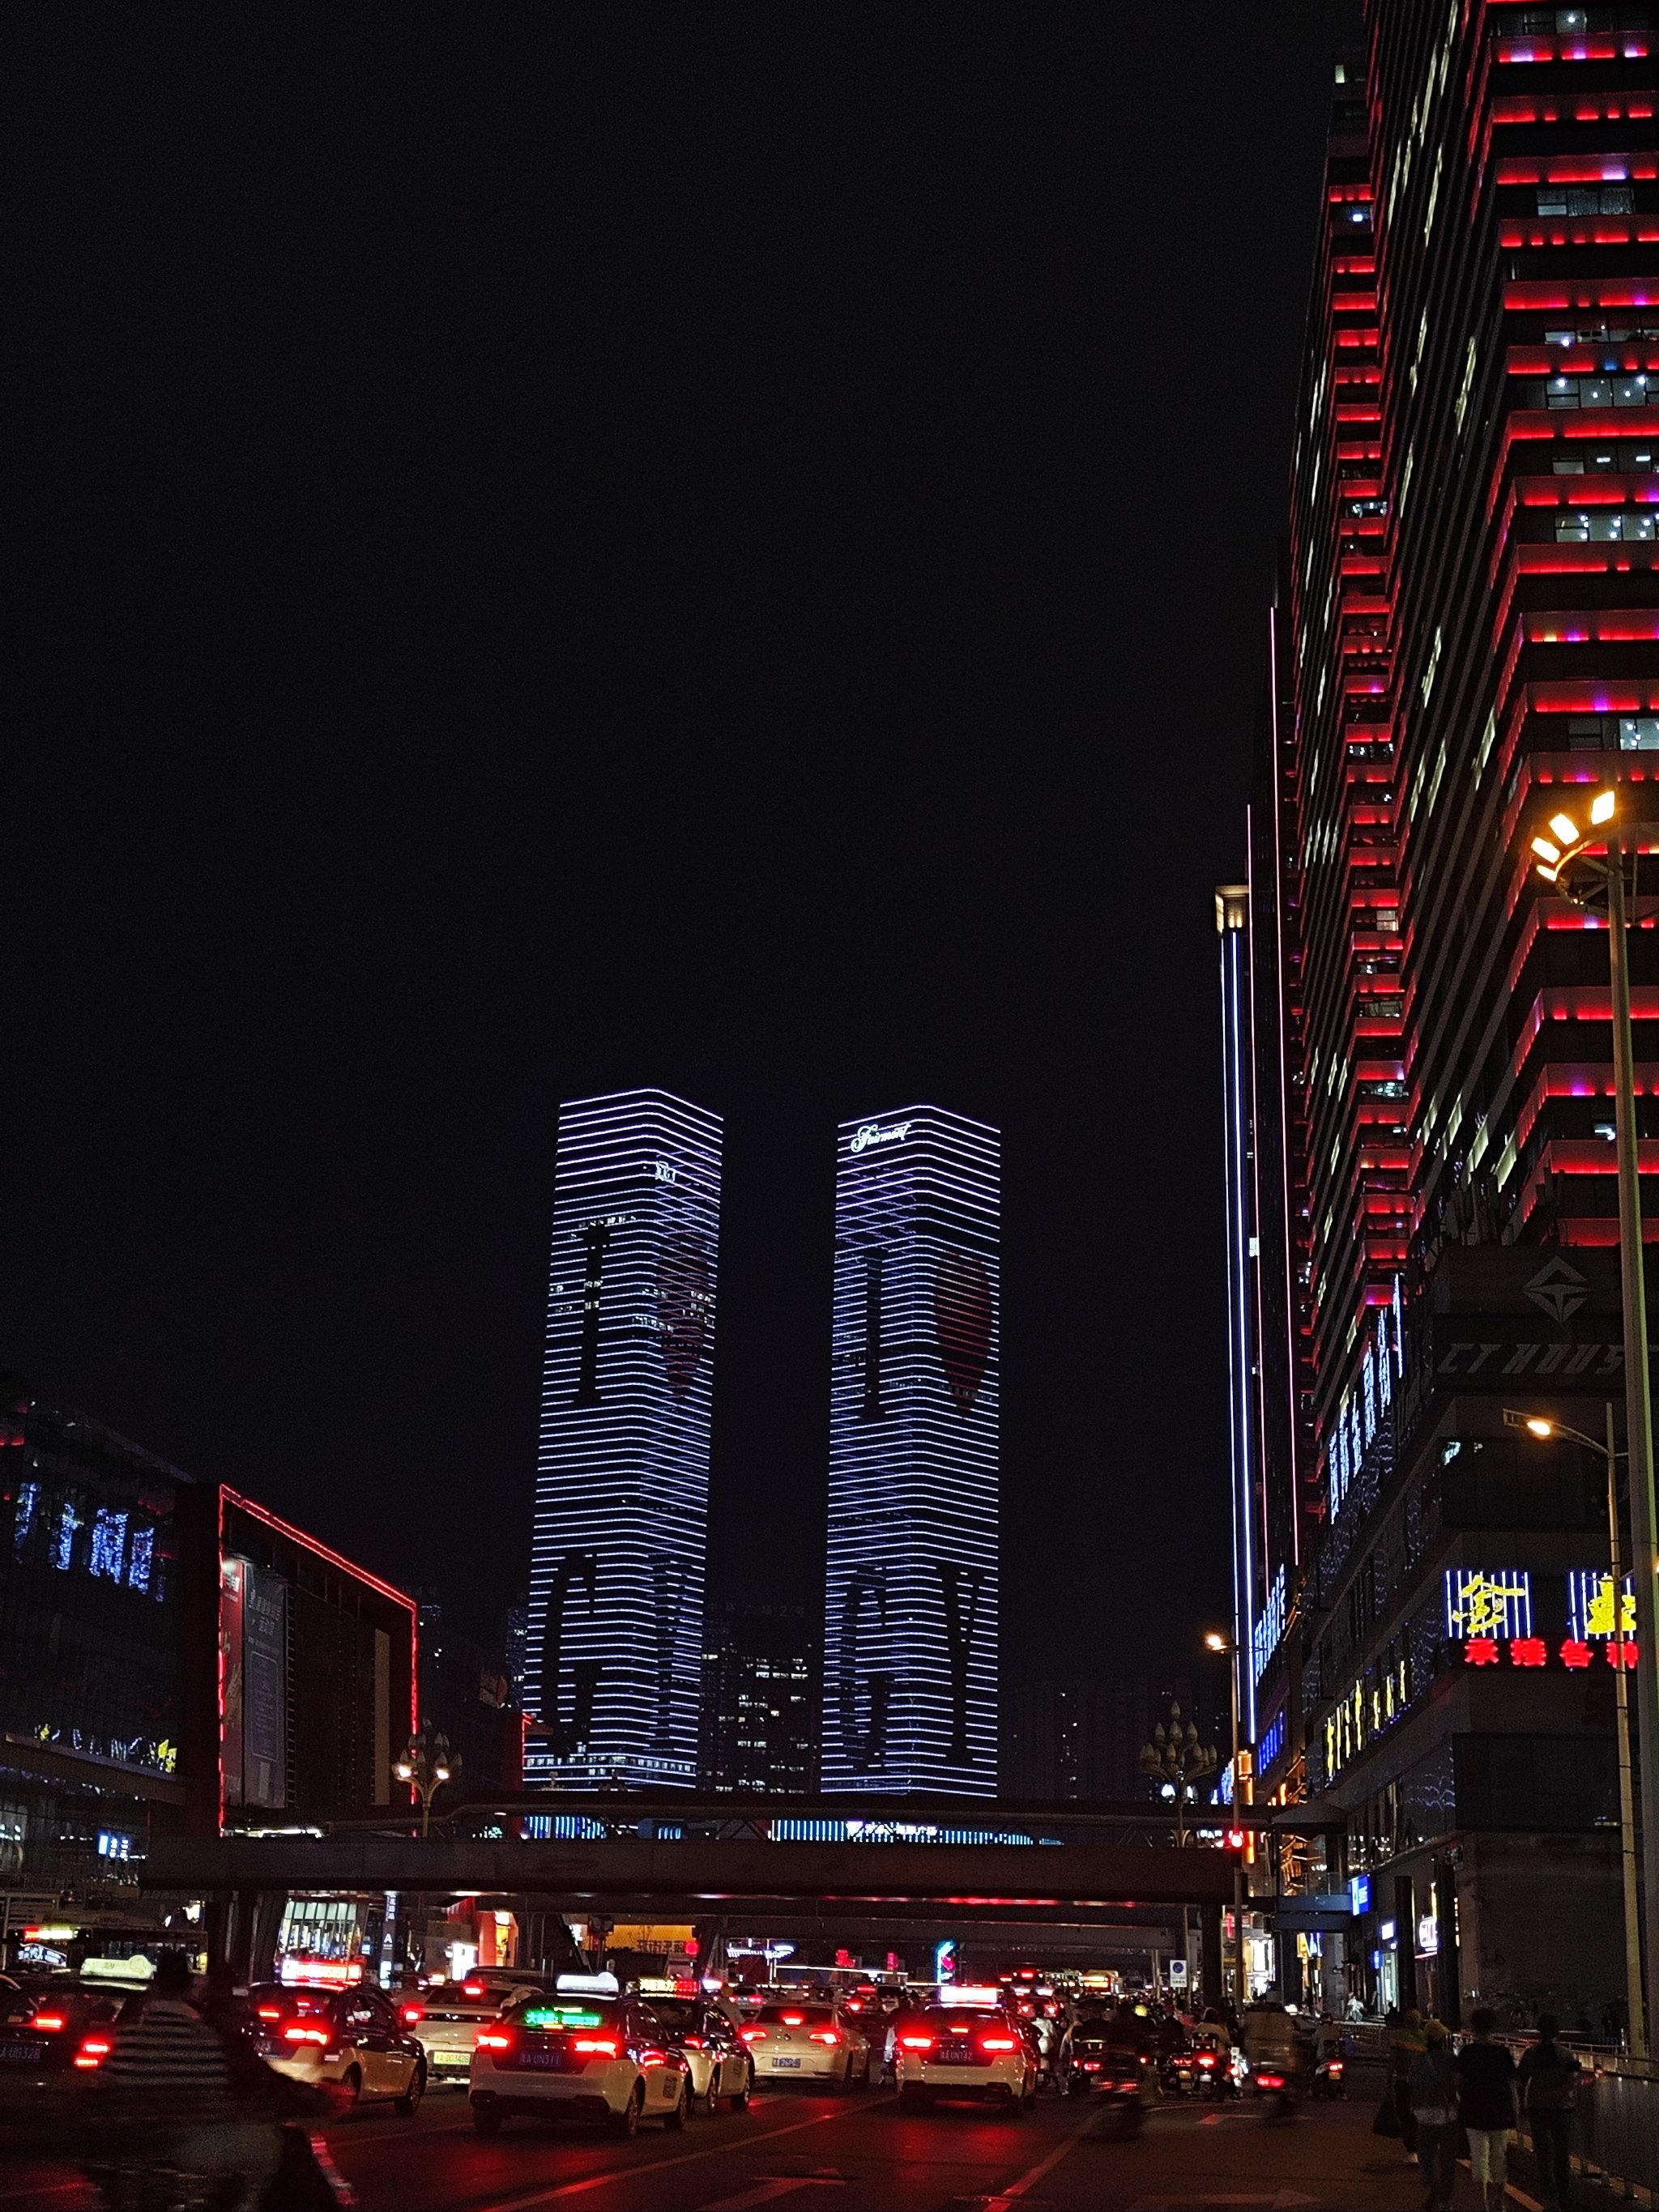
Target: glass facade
89,1646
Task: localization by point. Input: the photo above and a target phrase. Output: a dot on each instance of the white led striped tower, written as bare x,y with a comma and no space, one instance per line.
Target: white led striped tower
910,1631
614,1648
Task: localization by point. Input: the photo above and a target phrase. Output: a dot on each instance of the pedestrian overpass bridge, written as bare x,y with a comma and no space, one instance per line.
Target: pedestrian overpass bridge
839,1863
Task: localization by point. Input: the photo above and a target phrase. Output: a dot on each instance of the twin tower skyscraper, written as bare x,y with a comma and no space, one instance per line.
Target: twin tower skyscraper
618,1557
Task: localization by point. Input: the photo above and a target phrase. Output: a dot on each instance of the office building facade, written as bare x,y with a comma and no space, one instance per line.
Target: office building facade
762,1671
911,1597
1465,637
613,1648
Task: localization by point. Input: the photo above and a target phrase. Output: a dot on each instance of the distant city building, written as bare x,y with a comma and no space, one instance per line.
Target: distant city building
517,1653
466,1696
762,1665
613,1650
173,1657
911,1598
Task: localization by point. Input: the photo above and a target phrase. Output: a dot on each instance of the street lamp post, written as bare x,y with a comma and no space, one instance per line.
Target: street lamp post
1177,1760
1595,879
1537,1425
426,1766
1223,1646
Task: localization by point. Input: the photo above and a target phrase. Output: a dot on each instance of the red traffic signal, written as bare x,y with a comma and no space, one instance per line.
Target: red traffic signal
1235,1839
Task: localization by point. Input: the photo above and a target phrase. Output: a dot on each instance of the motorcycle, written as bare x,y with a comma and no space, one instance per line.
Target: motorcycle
1330,2078
1212,2074
1278,2087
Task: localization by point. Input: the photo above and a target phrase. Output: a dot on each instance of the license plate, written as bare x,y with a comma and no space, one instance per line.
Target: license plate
549,2061
781,2063
21,2054
953,2054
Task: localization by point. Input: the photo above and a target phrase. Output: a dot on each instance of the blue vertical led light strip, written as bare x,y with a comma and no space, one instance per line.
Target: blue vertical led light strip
613,1645
1239,1350
911,1596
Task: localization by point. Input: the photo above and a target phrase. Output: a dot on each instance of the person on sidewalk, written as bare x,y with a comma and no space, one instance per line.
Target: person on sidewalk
1434,2108
1485,2108
1548,2079
1405,2047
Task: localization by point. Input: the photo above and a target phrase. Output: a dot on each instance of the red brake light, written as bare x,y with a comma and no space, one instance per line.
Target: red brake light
598,2047
824,2035
795,2019
472,1989
271,2012
411,2013
295,2032
752,2034
917,2042
489,2039
49,2023
692,2043
94,2050
998,2043
1090,2065
1272,2081
1335,2066
1206,2059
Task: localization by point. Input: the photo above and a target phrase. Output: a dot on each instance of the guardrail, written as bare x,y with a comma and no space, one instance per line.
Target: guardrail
1616,2128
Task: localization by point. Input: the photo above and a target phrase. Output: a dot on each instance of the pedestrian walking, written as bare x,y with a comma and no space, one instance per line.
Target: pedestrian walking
1485,2108
1547,2080
1405,2047
1433,2089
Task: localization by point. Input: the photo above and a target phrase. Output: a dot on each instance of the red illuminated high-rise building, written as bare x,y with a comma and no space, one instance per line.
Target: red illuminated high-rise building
1421,1175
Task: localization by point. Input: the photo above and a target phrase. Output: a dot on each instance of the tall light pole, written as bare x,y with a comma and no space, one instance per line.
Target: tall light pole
1597,879
1223,1646
1537,1425
426,1766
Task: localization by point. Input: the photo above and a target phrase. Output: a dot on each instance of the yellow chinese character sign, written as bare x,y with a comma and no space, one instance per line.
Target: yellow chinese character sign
1488,1602
1590,1605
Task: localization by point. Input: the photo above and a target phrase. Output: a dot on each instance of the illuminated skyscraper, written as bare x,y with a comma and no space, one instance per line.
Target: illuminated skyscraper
910,1642
615,1641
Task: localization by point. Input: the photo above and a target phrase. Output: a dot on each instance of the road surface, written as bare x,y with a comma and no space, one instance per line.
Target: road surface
810,2153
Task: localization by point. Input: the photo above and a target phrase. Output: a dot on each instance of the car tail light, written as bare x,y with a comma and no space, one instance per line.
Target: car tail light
491,2038
296,2031
824,2035
601,2046
472,1989
752,2034
49,2023
1129,2085
94,2050
271,2012
916,2042
692,2043
998,2043
411,2013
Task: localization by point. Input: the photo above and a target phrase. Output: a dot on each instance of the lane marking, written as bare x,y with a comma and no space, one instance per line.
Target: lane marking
686,2158
1017,2189
767,2192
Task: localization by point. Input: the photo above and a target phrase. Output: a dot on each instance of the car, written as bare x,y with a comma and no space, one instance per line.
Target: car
60,2029
720,2060
446,2017
950,2051
807,2039
607,2059
356,2041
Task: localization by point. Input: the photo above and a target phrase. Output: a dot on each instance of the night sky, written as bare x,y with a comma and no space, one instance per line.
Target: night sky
562,548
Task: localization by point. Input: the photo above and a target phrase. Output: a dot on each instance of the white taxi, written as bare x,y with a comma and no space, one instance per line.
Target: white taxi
807,2042
590,2056
950,2051
448,2015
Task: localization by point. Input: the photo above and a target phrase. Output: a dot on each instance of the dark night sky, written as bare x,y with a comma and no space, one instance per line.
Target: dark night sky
570,547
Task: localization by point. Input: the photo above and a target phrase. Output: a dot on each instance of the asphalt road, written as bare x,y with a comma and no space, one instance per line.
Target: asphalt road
812,2153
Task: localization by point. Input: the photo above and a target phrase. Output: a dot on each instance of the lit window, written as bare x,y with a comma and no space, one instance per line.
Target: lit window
62,1541
29,1498
109,1543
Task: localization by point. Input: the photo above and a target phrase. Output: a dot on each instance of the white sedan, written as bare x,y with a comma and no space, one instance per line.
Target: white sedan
948,2051
807,2042
600,2058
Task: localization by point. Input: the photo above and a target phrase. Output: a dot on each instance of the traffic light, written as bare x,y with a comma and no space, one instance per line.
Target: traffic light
1237,1840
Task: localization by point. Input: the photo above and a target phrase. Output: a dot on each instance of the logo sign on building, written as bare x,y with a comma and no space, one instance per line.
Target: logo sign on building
1590,1605
1360,1893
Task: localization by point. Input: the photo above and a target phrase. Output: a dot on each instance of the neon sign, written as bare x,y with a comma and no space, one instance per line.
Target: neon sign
869,1132
1590,1605
1531,1651
1266,1633
1484,1602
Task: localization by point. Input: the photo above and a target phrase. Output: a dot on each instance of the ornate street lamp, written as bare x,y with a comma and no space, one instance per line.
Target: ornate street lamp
426,1766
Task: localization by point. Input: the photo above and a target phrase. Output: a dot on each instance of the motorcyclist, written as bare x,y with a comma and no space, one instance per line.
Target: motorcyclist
1267,2035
